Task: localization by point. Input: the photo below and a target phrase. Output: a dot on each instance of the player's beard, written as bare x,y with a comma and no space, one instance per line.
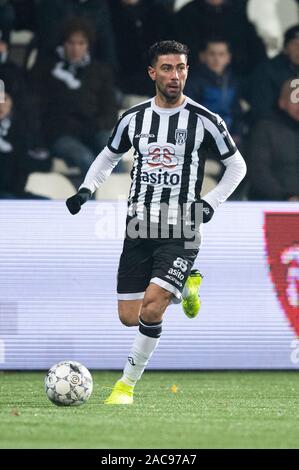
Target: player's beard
170,97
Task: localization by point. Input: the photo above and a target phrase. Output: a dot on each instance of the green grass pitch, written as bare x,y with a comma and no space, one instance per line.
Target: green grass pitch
208,410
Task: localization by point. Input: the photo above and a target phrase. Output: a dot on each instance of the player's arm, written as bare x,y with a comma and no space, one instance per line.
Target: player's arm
224,148
102,166
98,172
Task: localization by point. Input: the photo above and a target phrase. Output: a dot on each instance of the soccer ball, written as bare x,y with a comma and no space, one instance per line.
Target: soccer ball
68,383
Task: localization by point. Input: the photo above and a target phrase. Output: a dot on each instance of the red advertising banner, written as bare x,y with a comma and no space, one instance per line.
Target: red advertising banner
282,245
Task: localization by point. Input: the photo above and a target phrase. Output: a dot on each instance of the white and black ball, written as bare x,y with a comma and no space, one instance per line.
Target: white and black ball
68,383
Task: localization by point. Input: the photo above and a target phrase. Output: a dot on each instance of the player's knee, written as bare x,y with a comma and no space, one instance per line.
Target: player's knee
155,302
151,312
127,320
128,312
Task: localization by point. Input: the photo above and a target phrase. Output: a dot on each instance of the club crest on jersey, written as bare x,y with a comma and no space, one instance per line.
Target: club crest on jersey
181,136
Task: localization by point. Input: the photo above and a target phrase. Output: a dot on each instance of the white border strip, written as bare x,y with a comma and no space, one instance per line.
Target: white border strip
131,296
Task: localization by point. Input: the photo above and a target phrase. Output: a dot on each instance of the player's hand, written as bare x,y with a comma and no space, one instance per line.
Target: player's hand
207,211
75,202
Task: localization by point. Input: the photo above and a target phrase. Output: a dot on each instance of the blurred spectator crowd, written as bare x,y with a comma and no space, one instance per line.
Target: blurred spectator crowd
84,61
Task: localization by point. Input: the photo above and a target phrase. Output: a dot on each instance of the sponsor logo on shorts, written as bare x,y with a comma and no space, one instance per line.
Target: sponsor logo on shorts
177,273
178,283
181,263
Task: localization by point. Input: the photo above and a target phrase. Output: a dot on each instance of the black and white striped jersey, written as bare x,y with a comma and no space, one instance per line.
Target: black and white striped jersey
171,146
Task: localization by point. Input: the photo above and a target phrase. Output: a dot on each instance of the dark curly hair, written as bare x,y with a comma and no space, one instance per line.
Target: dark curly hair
164,48
78,25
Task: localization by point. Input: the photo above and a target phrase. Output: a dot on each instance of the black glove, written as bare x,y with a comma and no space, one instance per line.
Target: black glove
75,202
207,210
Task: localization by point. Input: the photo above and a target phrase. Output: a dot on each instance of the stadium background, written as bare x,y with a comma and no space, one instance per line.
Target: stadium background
57,284
57,288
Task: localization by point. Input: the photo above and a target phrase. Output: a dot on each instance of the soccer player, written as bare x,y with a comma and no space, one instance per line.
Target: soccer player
172,136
